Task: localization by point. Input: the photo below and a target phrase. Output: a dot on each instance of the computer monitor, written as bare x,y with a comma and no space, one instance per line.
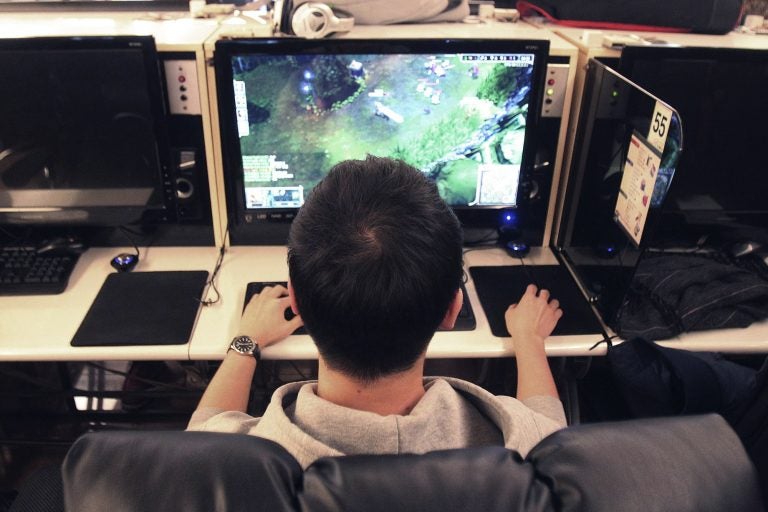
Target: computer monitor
462,111
626,149
720,196
82,134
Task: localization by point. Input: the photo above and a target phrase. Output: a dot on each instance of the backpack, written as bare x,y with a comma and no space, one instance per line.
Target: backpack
701,16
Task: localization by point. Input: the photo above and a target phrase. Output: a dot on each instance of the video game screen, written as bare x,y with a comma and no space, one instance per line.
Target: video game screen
460,117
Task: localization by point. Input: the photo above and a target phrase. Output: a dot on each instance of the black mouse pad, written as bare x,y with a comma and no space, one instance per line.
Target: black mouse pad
143,308
498,287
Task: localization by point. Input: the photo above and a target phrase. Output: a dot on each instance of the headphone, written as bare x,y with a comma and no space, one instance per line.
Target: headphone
314,20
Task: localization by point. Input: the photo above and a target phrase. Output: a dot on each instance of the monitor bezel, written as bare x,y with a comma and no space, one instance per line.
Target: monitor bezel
99,214
258,226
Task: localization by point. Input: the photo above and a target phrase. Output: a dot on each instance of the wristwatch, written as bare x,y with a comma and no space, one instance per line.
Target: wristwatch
244,345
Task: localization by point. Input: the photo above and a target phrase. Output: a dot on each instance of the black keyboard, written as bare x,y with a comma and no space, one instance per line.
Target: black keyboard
23,271
254,288
464,322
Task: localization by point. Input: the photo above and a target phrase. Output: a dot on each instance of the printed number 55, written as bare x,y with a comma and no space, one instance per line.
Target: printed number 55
660,124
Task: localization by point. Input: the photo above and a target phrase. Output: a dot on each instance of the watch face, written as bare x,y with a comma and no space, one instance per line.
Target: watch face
243,344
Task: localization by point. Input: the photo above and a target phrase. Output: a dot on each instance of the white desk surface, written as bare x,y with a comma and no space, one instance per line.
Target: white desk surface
218,324
40,327
485,30
172,31
730,40
244,264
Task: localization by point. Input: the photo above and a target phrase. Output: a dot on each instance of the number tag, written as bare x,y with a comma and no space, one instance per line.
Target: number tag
657,134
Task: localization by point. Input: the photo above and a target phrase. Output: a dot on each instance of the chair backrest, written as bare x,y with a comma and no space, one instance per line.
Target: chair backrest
693,463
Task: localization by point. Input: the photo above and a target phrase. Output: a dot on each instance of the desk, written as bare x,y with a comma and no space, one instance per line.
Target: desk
244,264
39,328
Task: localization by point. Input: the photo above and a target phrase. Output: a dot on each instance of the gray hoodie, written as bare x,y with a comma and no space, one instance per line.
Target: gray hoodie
452,414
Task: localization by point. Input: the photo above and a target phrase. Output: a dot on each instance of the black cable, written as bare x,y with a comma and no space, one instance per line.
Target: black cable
215,273
607,340
480,248
134,377
17,239
148,239
491,236
16,374
296,368
125,232
528,272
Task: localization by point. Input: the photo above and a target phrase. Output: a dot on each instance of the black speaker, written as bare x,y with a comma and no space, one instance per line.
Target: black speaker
187,192
190,184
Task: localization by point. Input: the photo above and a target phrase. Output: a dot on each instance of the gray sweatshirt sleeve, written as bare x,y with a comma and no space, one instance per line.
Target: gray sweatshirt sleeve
548,406
201,416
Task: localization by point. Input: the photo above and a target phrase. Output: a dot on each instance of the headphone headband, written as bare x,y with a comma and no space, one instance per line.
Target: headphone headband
314,20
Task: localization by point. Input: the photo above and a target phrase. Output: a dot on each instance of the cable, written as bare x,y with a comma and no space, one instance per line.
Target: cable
17,374
125,232
134,377
296,368
528,272
480,248
607,340
216,268
491,236
19,238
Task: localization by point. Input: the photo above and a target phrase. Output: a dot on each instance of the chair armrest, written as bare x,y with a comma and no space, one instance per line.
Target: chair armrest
682,463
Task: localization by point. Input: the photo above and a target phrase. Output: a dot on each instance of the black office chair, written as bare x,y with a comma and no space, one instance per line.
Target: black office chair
693,463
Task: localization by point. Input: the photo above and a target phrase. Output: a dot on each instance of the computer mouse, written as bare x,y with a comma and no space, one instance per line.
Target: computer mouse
124,262
517,249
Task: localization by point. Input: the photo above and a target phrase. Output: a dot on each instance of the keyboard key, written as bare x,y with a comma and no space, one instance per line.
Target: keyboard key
25,272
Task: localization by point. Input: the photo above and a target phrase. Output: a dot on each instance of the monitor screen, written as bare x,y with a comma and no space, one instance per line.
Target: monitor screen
721,94
81,130
461,111
626,149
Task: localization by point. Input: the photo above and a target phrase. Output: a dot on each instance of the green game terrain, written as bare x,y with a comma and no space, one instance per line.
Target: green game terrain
388,108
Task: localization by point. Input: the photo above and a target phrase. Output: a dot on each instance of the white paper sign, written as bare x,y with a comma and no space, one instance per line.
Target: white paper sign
657,134
641,170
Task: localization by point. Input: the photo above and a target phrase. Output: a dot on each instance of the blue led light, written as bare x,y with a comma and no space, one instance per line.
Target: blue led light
508,218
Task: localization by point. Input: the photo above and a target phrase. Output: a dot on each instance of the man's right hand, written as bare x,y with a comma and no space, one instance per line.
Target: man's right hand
534,317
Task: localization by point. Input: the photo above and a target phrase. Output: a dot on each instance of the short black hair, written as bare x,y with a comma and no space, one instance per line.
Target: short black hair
375,259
